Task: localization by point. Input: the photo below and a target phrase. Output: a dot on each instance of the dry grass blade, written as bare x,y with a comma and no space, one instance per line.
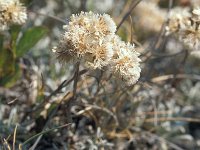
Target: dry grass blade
88,107
197,120
6,144
14,137
178,76
51,115
172,145
42,133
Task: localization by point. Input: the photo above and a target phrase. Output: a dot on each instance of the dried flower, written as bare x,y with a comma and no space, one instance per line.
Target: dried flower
196,14
186,26
100,54
90,38
11,12
97,23
191,37
196,11
87,37
125,62
178,19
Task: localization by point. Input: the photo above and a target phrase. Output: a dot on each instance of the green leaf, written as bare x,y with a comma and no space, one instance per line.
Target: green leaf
1,42
9,70
14,30
29,39
10,79
7,62
123,33
27,2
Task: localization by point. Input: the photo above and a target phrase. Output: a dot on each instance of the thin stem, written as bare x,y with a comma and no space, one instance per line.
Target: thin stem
59,88
49,16
42,133
128,13
72,100
162,30
76,77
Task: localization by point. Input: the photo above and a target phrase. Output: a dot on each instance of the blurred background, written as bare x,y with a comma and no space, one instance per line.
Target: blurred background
160,112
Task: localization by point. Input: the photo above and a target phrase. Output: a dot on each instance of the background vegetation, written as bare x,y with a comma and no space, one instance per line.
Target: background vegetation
48,105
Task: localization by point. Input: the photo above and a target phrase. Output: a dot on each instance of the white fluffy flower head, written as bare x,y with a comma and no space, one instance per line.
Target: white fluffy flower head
178,19
87,37
196,14
185,25
90,38
11,12
125,62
